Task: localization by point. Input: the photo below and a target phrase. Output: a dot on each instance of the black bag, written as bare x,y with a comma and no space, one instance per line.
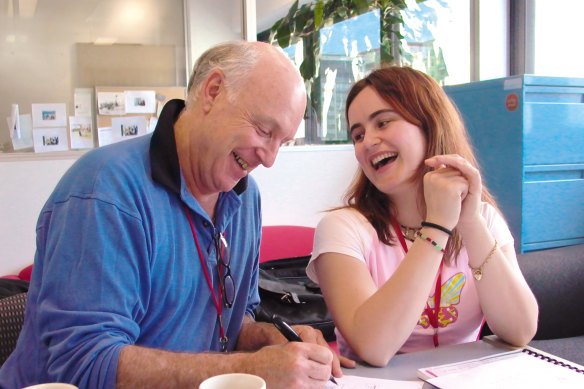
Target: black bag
286,290
10,287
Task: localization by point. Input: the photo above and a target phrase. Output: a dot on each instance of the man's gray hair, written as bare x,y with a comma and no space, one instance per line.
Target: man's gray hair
235,59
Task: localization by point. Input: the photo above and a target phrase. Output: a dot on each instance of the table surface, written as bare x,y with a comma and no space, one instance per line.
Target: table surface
405,366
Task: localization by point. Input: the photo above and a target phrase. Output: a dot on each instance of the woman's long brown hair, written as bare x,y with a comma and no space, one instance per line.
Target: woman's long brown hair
421,101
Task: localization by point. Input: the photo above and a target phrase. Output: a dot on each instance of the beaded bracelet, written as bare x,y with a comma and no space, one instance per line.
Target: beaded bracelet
438,227
427,239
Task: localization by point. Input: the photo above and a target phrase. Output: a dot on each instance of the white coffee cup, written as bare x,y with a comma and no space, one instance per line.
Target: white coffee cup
52,385
233,381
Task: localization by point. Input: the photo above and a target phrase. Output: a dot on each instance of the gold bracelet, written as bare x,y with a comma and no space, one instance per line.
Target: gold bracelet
477,272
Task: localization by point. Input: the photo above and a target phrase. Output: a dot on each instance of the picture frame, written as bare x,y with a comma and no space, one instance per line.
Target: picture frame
49,115
140,101
111,103
50,139
128,127
81,132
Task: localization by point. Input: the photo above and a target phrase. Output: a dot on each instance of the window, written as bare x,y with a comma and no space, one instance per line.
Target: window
557,29
437,39
432,43
50,48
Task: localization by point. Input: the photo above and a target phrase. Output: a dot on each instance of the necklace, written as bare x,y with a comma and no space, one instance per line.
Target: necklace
409,232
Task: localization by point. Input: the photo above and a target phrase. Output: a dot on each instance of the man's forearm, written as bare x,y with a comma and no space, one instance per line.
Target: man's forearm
141,367
255,335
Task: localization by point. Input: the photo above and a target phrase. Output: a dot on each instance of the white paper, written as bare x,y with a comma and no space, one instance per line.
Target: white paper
82,102
104,136
81,132
140,101
356,382
50,139
25,140
14,122
49,115
516,370
128,127
111,103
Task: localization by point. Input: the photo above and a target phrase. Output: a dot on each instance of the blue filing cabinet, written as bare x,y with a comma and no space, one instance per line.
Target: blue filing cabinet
528,134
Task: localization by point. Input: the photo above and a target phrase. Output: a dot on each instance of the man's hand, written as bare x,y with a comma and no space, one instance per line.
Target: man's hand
264,334
311,335
292,365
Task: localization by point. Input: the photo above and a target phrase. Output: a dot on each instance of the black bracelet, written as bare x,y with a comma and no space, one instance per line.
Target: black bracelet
438,227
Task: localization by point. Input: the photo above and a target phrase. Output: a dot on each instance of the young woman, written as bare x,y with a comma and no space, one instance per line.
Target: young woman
420,256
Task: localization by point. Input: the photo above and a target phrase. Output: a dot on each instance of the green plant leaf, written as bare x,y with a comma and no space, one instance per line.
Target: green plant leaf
303,21
360,6
292,11
318,13
307,68
283,35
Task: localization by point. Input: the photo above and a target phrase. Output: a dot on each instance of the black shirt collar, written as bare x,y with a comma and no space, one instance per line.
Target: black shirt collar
163,155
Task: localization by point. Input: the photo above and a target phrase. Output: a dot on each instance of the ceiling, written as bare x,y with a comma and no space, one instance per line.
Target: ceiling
268,11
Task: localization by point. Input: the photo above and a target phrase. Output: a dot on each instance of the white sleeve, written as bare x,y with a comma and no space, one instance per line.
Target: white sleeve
343,231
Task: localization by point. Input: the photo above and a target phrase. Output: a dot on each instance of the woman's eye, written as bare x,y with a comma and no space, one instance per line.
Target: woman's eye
357,137
383,123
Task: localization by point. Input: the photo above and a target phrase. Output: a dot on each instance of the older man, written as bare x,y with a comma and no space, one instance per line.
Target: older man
147,250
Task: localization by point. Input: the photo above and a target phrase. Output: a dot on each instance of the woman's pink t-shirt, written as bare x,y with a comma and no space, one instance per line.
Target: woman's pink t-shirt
346,231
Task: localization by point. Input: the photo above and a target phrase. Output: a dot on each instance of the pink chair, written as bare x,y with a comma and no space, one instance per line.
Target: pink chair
24,274
285,242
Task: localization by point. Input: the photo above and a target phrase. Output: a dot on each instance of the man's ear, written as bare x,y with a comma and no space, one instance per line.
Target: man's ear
213,87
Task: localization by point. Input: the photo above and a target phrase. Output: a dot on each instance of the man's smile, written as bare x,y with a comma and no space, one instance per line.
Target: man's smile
244,165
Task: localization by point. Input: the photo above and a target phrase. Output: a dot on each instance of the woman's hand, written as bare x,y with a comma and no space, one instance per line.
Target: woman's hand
444,189
452,170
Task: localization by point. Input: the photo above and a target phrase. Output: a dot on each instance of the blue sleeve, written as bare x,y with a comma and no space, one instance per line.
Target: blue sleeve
254,296
95,284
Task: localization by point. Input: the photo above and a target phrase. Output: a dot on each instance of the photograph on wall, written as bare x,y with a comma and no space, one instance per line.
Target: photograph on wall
49,115
81,132
111,103
128,127
140,101
50,139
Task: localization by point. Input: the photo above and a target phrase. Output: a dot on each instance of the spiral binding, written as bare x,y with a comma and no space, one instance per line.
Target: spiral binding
552,360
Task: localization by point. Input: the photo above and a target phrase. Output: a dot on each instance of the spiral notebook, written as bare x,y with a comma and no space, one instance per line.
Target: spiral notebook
522,368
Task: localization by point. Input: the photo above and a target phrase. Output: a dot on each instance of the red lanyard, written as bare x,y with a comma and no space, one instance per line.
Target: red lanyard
432,313
223,340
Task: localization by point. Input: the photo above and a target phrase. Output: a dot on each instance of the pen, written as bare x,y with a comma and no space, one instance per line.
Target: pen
290,334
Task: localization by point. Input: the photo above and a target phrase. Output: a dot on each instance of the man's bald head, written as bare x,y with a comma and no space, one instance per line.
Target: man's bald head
239,60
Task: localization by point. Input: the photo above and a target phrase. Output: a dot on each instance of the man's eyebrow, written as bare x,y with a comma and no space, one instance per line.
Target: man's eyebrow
371,117
266,121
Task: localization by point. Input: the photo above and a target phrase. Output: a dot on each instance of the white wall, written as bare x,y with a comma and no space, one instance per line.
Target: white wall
208,23
303,182
25,186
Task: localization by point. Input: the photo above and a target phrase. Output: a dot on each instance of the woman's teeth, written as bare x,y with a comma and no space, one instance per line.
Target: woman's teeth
382,159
